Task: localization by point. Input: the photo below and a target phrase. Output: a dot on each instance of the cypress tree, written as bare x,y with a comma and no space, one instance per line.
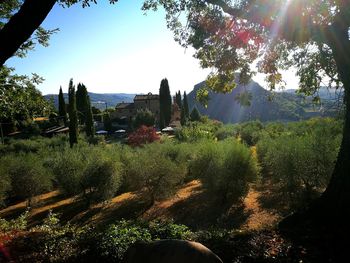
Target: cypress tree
187,110
161,120
183,117
89,128
62,107
178,99
195,115
165,101
73,117
82,107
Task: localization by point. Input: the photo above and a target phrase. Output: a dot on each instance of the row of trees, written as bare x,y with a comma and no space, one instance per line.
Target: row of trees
79,111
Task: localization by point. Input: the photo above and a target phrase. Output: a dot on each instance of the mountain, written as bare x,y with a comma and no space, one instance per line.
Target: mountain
324,93
99,100
264,106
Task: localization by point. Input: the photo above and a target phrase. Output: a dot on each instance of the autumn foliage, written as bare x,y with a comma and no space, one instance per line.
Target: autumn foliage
142,136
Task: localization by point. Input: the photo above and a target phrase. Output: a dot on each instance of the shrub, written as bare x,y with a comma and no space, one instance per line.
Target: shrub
68,167
113,242
5,186
195,115
225,168
143,117
101,179
149,167
91,171
27,174
19,223
142,136
193,133
250,131
226,131
301,166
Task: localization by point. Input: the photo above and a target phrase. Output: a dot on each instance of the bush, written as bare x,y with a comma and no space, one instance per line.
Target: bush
193,133
149,167
28,176
226,131
113,243
225,168
91,171
5,186
142,136
301,166
143,118
68,167
101,179
249,132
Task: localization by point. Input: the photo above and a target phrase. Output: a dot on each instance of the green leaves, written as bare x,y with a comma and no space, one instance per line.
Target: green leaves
19,99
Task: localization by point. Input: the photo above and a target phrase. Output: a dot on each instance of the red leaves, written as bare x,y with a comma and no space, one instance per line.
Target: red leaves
143,135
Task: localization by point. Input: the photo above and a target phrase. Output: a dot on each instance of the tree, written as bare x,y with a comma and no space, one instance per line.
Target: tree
89,127
143,117
28,176
20,101
107,123
178,99
312,36
81,96
195,115
73,116
62,106
20,24
186,108
161,121
165,101
183,119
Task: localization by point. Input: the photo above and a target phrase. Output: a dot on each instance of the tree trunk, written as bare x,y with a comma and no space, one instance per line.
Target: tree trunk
22,25
332,210
336,198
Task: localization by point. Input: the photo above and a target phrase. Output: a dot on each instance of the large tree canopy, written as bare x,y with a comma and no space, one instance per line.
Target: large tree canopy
310,35
231,35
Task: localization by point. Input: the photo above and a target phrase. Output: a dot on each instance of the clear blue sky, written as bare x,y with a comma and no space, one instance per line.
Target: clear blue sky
111,49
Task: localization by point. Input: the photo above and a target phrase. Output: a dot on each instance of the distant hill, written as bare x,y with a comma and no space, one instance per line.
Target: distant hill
265,106
111,99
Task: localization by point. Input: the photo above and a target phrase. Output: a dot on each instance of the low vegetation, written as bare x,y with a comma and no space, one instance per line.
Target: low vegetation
295,159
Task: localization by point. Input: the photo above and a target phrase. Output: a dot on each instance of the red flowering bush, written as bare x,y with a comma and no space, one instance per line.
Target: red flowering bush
143,135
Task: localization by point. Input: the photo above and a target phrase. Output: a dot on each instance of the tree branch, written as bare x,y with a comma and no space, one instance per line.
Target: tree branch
225,7
22,25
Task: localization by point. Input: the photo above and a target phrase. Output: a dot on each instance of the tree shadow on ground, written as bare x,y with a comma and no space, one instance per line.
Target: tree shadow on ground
14,211
273,199
203,210
129,208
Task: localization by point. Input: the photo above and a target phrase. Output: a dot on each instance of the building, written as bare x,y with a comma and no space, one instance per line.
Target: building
141,102
149,102
124,110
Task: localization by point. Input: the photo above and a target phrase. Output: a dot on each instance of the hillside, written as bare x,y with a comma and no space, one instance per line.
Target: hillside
111,99
265,106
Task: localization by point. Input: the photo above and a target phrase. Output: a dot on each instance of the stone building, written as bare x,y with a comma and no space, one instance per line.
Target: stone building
149,102
124,110
141,102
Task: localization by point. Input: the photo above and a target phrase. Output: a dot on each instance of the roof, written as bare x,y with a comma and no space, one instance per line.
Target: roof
125,105
148,96
41,119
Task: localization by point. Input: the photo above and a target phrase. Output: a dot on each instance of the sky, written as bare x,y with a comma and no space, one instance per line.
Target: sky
113,49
